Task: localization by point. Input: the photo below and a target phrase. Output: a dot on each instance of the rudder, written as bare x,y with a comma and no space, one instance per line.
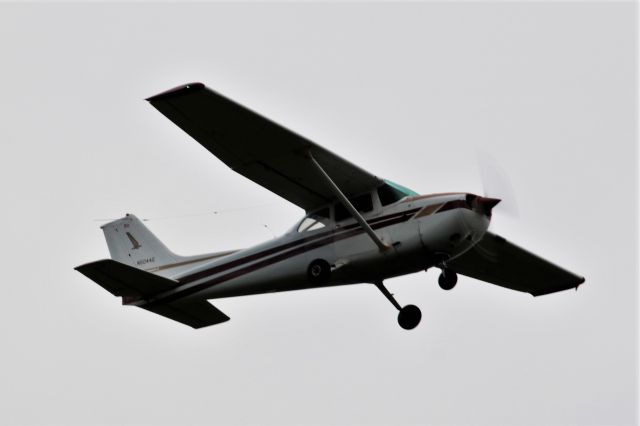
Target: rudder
132,243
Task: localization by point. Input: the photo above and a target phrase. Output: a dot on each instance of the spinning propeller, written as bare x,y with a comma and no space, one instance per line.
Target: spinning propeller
496,184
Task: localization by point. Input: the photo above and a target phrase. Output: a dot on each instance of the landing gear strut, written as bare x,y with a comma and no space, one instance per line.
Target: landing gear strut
447,279
408,316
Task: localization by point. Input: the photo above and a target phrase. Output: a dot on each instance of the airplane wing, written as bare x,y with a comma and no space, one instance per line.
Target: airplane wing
258,148
497,261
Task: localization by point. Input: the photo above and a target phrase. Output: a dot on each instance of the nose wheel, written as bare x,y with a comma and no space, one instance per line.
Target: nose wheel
447,279
408,316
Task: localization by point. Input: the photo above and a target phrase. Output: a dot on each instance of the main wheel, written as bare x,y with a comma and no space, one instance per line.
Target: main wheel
319,271
447,279
409,317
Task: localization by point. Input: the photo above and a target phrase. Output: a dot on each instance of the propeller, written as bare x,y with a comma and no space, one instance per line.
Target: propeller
496,184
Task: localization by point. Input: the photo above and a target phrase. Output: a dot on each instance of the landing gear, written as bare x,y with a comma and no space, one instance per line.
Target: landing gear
447,279
408,316
319,271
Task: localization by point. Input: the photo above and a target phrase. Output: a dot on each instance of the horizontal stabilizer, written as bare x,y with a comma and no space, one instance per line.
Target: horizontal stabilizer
127,281
497,261
194,313
124,280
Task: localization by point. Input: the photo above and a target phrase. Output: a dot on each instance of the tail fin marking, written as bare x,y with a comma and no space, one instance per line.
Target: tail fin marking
131,243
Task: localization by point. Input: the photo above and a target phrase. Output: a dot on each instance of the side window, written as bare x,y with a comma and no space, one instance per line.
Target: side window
341,212
315,220
362,203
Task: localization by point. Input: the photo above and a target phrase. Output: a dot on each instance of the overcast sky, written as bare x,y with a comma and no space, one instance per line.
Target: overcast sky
409,92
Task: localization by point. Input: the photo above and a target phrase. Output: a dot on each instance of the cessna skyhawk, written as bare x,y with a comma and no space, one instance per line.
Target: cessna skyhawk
358,228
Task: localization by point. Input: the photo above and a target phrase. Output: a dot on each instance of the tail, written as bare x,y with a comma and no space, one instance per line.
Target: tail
131,243
133,273
136,286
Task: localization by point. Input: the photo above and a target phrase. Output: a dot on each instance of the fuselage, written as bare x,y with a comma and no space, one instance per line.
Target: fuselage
421,231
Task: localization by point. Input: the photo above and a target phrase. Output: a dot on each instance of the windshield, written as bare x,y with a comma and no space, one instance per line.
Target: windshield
391,192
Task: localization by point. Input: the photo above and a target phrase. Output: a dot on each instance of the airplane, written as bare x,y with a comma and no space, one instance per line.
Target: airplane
357,227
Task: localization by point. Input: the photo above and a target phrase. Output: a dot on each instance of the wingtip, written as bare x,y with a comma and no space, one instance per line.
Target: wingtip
206,324
80,268
179,90
568,286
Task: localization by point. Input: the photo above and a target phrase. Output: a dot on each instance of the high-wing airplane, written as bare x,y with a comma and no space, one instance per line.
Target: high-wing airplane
358,228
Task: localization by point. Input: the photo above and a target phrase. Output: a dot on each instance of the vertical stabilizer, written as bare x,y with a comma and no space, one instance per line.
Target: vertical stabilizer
131,243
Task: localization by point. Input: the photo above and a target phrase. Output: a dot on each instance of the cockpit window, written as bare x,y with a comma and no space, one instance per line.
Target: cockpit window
316,220
362,203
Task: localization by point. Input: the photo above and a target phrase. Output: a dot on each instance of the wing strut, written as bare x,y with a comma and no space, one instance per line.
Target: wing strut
357,216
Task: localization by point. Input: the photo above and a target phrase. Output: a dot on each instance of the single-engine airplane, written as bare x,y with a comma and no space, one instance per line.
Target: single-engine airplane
358,228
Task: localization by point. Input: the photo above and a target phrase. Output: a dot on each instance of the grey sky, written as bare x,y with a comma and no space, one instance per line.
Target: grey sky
407,91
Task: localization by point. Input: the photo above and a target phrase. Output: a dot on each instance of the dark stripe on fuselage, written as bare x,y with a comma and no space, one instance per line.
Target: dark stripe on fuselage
313,243
220,268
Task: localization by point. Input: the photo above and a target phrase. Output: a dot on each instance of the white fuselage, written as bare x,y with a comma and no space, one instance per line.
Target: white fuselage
421,231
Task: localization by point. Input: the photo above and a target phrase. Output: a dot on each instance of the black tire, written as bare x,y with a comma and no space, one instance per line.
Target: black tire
447,280
319,272
409,317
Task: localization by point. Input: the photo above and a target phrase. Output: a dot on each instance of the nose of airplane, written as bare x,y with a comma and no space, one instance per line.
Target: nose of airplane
485,204
482,205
